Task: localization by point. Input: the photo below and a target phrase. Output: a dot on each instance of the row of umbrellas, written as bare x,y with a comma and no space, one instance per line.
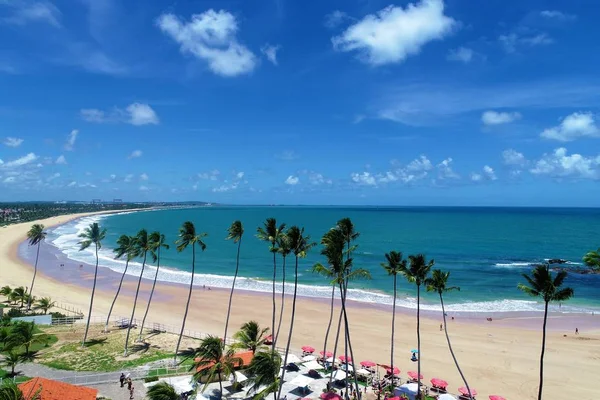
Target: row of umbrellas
436,382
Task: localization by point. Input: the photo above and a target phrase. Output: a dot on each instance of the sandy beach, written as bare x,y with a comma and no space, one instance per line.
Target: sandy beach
501,357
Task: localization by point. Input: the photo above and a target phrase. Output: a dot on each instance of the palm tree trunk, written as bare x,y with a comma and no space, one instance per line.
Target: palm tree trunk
282,301
137,292
37,256
151,294
116,295
451,350
543,351
289,341
237,266
274,306
393,330
187,305
87,326
330,320
335,345
418,341
220,386
347,328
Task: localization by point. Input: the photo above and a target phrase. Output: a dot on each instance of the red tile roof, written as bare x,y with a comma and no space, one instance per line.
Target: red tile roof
54,390
246,357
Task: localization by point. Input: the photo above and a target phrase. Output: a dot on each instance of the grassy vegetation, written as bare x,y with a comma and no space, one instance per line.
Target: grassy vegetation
6,375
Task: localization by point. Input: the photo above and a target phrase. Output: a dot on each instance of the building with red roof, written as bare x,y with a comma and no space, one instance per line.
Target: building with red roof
54,390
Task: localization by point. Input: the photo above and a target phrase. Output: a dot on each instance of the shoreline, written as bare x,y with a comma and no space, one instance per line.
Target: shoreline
510,342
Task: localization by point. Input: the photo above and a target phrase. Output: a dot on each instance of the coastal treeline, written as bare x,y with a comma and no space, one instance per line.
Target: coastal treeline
216,356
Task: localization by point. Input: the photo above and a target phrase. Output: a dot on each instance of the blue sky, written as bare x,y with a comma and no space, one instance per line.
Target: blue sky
301,102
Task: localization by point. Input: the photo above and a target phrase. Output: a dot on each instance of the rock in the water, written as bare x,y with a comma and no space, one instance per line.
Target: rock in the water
557,261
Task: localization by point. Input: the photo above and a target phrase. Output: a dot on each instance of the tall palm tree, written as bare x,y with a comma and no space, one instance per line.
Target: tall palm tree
143,246
264,374
592,259
542,284
24,334
270,233
126,247
157,241
188,237
300,245
417,272
91,235
438,282
393,266
211,360
44,304
250,337
162,391
36,236
235,233
284,249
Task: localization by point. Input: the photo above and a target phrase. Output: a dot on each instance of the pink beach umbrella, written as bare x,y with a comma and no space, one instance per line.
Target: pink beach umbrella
326,354
345,360
396,370
439,383
368,364
464,391
496,397
308,349
413,375
330,396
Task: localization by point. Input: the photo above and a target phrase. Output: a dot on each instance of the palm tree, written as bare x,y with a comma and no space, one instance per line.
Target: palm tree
592,259
19,294
10,391
250,337
4,336
235,233
126,246
417,272
36,236
299,245
542,284
438,282
188,237
6,291
211,360
25,334
270,233
12,358
162,391
284,250
393,266
91,235
157,241
45,304
143,245
264,373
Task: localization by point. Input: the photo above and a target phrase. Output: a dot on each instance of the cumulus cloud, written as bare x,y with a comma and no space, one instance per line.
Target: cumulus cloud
462,54
53,177
512,41
70,144
512,157
270,52
72,184
559,164
211,37
499,118
136,114
445,170
364,178
12,142
315,178
144,177
292,180
489,173
395,33
128,178
210,175
24,12
61,160
26,159
135,154
574,126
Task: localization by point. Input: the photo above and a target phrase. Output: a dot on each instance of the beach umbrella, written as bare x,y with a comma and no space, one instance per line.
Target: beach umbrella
414,351
439,383
496,397
344,359
309,358
396,370
463,390
330,396
308,349
368,363
330,360
328,354
269,339
413,375
446,396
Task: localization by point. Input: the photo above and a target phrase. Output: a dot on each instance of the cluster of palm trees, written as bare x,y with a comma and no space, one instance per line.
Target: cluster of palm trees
16,340
22,296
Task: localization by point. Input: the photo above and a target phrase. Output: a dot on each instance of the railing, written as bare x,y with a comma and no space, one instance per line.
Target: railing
69,308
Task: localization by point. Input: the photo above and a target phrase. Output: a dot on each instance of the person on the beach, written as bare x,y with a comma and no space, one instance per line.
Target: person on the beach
129,384
441,327
131,393
122,379
576,331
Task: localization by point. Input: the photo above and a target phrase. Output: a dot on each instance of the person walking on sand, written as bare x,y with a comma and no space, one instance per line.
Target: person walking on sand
122,379
131,393
129,384
441,327
576,331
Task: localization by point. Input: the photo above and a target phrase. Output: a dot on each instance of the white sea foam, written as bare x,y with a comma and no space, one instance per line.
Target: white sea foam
513,265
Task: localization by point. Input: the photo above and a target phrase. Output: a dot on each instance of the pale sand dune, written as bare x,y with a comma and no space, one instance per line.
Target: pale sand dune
496,358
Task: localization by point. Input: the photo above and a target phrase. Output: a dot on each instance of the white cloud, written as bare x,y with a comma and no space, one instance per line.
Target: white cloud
135,154
498,118
462,54
212,37
239,175
292,180
210,175
513,158
73,183
335,19
27,159
394,33
420,164
489,173
315,178
574,126
61,160
445,170
53,177
561,165
476,177
511,41
144,177
225,188
557,15
365,178
13,142
136,114
24,12
144,188
128,178
270,52
70,145
10,179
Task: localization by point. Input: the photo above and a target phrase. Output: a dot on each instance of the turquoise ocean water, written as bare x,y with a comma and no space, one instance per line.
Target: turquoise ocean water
486,249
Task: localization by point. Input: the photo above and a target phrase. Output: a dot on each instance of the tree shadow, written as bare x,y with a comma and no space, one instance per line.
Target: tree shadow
141,347
94,342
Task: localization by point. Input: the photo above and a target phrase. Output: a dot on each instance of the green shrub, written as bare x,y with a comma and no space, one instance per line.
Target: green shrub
151,379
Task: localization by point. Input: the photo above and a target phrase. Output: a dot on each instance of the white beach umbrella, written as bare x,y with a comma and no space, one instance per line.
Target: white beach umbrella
309,358
339,375
446,396
301,380
292,358
313,365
